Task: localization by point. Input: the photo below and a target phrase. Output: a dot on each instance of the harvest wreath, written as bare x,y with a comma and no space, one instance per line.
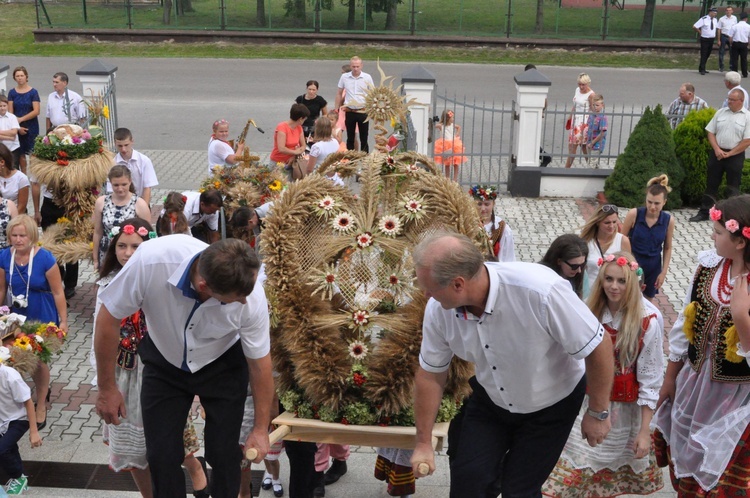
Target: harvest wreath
340,268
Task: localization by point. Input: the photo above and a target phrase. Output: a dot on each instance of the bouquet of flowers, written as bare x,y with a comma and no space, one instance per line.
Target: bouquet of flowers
97,109
66,143
43,339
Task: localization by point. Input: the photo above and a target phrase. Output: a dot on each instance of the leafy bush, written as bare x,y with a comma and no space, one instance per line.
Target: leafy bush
692,148
649,153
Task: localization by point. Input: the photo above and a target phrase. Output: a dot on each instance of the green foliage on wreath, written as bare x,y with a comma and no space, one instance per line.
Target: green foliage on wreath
359,413
51,151
692,148
649,153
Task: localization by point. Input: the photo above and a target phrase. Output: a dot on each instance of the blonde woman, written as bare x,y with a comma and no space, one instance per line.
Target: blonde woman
624,463
602,237
583,100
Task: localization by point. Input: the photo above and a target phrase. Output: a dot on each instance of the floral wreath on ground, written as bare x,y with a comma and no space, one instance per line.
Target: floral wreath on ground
349,333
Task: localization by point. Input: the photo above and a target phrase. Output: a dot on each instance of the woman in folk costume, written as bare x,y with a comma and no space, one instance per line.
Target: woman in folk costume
500,234
702,421
624,463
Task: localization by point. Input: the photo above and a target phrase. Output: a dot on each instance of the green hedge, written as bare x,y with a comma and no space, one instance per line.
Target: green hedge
692,148
650,152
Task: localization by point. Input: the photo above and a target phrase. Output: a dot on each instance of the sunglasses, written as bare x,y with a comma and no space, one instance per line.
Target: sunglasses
609,208
575,267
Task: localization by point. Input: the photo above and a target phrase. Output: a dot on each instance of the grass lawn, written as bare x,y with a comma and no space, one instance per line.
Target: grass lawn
475,17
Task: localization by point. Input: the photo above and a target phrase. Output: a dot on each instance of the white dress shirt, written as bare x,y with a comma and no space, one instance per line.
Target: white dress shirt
528,344
355,89
740,33
725,24
14,392
730,128
193,214
9,121
56,108
188,333
141,172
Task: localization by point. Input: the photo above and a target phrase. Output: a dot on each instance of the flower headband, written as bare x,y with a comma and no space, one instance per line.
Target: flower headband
130,230
731,225
483,192
220,122
621,261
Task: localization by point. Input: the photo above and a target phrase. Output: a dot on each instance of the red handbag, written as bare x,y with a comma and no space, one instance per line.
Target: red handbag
569,123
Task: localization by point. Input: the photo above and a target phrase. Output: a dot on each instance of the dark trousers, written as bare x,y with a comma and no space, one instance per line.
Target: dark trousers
723,48
166,396
520,449
10,458
351,121
739,51
707,44
51,212
301,468
716,169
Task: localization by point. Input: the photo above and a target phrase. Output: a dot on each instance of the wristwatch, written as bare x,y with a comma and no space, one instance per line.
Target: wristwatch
603,415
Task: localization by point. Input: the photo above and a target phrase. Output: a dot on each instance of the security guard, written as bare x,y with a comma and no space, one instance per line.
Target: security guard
706,28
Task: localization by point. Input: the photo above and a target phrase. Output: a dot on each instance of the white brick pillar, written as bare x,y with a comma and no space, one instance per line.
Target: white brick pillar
419,84
4,78
532,88
95,77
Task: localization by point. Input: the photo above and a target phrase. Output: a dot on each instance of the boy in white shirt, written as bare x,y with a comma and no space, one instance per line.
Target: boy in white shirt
9,131
140,166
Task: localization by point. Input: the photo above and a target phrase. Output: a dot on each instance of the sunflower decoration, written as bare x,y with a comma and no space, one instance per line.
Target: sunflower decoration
385,104
347,344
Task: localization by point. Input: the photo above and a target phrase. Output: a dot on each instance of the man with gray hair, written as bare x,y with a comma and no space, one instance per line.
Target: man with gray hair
732,81
686,101
526,332
729,135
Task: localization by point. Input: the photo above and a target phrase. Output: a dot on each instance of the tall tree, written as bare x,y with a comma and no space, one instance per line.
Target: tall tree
539,25
648,18
295,10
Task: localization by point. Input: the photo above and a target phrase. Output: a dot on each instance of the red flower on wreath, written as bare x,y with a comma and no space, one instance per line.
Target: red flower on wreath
62,154
62,162
128,229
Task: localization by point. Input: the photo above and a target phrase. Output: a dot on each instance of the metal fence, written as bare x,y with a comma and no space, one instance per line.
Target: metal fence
108,125
600,19
487,130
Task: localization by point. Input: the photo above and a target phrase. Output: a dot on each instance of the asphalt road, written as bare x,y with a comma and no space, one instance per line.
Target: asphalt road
170,103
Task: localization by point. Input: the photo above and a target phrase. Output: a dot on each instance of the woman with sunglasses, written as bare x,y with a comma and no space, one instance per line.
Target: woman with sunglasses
601,233
567,256
650,230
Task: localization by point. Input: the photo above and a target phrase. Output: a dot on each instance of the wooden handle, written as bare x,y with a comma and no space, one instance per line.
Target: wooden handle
273,438
423,469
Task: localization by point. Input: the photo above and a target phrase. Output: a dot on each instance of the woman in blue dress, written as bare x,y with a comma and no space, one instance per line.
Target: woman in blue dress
650,231
30,275
23,101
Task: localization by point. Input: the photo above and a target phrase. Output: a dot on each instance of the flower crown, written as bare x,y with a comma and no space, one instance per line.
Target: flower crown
731,225
483,192
130,230
220,122
621,261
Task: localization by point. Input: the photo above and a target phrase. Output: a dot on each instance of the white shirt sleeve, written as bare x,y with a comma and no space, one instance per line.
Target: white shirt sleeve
650,365
255,330
148,175
678,343
435,354
124,295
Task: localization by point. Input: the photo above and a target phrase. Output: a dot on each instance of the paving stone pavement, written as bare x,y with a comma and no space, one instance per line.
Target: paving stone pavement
73,432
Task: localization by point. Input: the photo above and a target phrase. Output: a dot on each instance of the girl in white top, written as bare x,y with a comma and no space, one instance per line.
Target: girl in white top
14,185
602,236
220,153
324,146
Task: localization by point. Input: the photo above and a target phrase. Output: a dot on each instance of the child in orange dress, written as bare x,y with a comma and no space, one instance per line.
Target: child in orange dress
449,147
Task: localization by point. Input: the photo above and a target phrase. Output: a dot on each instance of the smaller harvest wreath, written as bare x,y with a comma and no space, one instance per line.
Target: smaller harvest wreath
28,342
73,164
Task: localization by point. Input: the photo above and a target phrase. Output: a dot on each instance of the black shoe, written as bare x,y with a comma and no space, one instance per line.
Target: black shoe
266,483
338,469
703,72
701,216
70,292
320,485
